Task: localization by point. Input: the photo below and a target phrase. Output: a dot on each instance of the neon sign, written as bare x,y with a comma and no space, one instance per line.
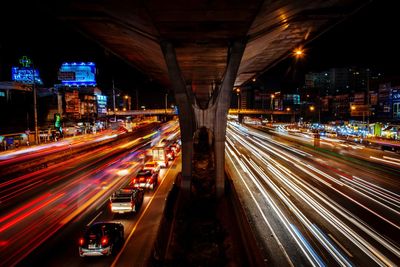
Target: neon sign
78,74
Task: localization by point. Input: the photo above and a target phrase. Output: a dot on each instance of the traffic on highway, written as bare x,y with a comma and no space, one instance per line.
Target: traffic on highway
313,207
69,204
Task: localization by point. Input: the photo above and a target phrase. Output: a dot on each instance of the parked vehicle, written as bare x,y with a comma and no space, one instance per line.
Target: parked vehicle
127,199
101,238
145,179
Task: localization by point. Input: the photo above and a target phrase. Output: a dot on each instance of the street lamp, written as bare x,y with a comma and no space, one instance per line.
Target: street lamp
27,62
353,107
298,52
166,102
238,98
312,108
272,107
113,89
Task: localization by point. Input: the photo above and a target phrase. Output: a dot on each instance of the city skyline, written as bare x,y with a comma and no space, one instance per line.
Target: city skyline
362,40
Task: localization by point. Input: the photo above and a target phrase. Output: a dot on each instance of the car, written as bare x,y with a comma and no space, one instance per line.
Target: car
145,179
152,166
126,200
176,148
101,238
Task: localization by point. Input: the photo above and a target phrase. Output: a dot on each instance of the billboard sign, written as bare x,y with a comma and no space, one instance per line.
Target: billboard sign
101,105
72,102
25,75
78,74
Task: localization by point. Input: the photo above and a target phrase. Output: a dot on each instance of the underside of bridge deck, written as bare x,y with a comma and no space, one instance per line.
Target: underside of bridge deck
203,49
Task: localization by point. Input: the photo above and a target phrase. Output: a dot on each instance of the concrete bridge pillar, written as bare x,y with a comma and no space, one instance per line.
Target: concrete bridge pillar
184,99
240,118
214,117
223,101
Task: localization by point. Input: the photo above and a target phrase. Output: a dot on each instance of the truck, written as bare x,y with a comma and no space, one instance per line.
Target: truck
126,200
160,155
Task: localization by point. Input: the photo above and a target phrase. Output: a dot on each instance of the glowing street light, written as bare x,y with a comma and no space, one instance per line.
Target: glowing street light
312,108
272,107
238,97
298,52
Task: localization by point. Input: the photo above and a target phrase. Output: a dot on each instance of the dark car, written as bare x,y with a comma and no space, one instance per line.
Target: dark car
145,179
101,238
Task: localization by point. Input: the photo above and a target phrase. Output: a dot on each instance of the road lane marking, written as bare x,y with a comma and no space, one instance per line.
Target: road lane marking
94,218
138,221
340,245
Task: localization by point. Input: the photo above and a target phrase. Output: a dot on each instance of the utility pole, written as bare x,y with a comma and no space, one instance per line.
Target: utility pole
368,101
35,105
113,88
272,108
166,102
27,61
137,100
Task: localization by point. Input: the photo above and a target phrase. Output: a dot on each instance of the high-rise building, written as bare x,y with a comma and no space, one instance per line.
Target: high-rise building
337,81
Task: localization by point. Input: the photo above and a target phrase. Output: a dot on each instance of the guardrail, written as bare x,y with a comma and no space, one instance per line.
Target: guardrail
170,111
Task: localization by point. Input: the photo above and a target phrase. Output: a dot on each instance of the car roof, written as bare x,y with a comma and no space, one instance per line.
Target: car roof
104,223
144,173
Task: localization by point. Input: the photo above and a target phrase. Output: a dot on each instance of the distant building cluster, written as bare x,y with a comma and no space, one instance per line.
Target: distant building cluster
336,94
75,98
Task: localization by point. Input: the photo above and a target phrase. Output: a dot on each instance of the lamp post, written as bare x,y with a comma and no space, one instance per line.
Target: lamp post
35,105
26,62
115,114
126,102
166,102
363,112
368,100
238,99
312,108
272,107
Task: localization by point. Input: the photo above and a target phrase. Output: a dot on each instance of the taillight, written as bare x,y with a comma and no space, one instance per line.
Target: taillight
81,241
134,180
104,241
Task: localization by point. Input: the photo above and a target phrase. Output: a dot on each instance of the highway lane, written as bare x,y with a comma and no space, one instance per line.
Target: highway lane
387,160
321,213
140,231
27,224
64,194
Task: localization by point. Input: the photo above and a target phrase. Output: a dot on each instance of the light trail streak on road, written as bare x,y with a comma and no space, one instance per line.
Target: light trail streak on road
66,193
24,227
351,228
385,160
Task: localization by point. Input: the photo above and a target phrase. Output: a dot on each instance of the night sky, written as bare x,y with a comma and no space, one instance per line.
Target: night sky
366,39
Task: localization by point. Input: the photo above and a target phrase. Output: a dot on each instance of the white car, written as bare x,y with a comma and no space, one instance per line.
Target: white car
152,166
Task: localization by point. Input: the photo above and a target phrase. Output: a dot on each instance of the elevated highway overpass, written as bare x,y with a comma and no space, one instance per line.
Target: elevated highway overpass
201,50
174,112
